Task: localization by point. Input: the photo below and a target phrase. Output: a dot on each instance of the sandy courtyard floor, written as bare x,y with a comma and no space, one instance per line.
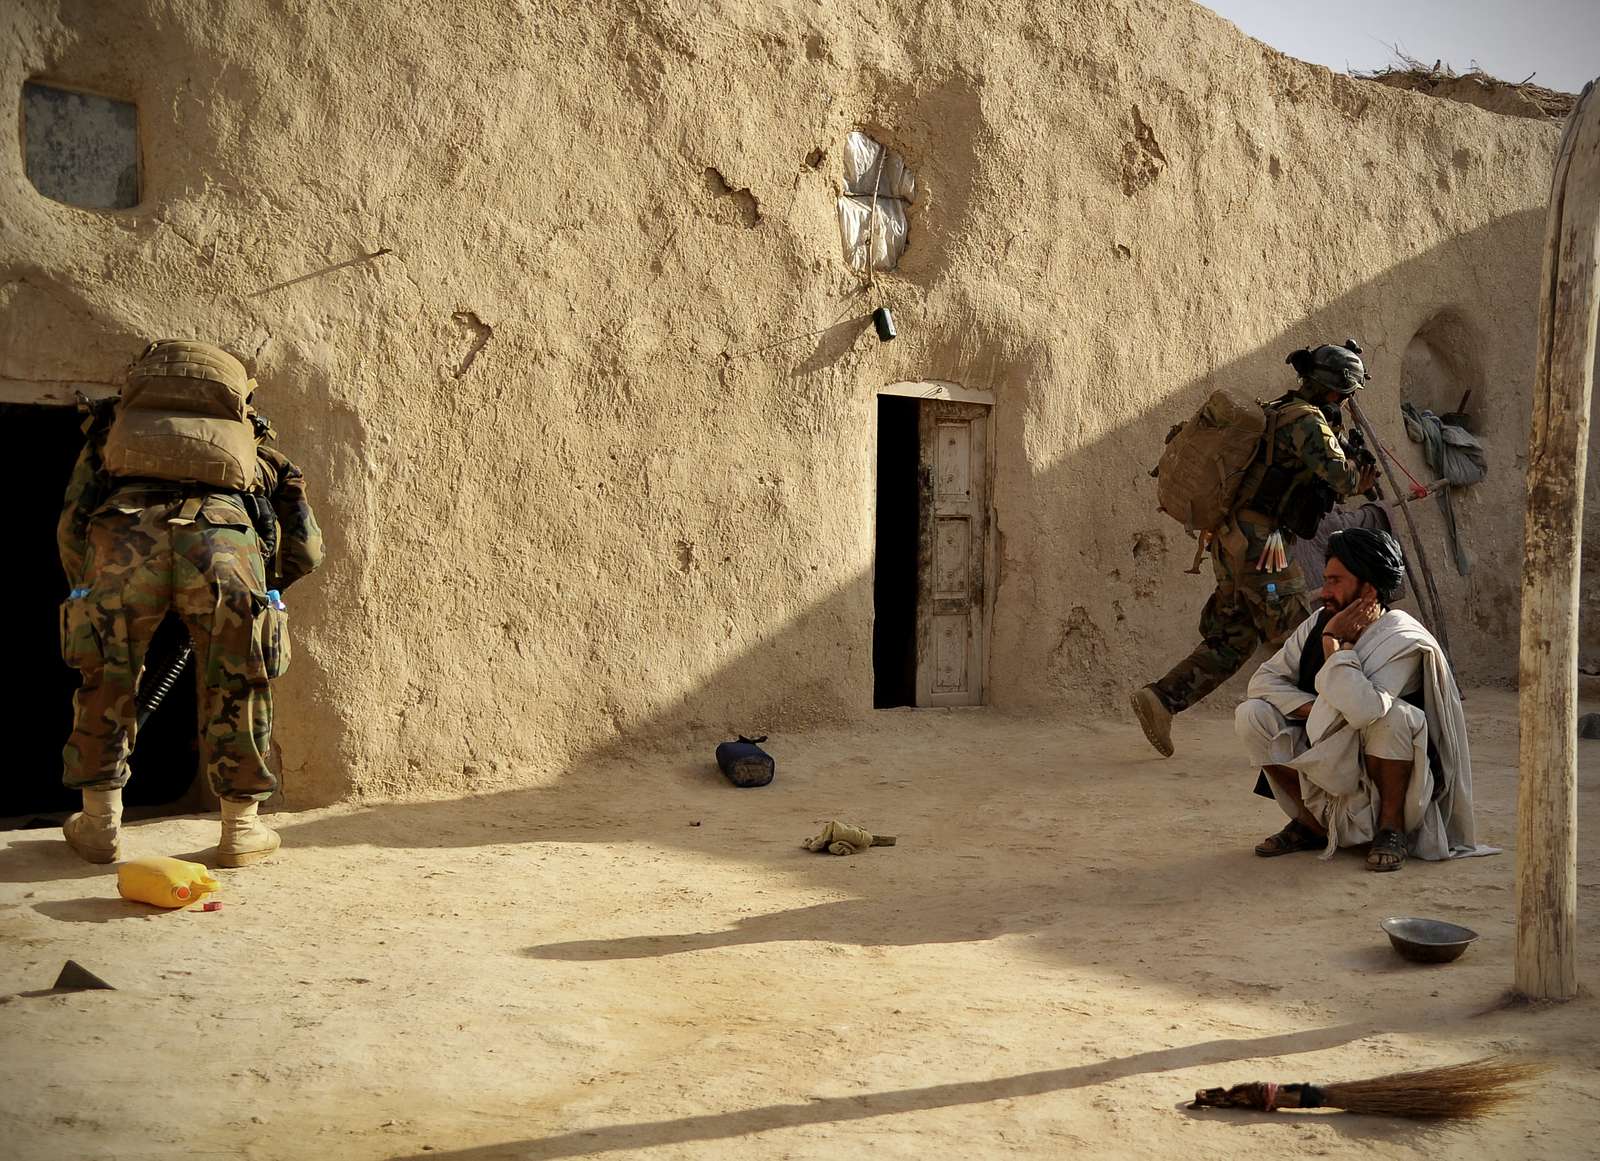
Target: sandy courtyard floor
1069,939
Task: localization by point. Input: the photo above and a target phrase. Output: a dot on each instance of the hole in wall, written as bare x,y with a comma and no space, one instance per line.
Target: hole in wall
747,208
80,148
878,190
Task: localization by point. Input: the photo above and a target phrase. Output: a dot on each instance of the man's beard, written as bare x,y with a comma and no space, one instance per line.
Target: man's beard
1333,604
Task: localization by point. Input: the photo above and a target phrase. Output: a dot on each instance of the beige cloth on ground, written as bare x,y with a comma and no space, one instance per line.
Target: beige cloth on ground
844,838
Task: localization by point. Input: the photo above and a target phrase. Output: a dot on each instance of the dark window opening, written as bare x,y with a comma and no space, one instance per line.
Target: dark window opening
894,573
38,446
80,148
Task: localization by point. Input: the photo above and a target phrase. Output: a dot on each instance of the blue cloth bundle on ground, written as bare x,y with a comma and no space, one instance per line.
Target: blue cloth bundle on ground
745,763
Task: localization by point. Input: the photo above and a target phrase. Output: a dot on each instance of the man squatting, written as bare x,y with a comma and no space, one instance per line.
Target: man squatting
1357,724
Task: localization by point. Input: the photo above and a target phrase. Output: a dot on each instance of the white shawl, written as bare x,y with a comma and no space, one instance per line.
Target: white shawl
1356,687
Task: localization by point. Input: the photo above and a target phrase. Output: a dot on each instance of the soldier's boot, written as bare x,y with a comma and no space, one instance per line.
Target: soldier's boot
1154,717
95,832
245,838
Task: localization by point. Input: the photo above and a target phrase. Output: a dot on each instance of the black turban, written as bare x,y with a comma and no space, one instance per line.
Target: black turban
1371,556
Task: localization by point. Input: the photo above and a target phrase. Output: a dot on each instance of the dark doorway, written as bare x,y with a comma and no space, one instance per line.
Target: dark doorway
894,572
38,446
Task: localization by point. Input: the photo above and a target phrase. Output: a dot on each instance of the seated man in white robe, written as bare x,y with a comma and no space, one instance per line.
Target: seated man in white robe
1343,718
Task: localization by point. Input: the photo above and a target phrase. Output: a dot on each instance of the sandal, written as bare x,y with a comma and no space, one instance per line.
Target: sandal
1297,836
1388,851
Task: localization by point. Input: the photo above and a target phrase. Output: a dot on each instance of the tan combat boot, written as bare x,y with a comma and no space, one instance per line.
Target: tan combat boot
95,832
1154,717
245,838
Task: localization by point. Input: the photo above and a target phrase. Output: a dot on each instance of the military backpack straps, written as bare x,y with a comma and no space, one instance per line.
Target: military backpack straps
183,416
1278,412
1290,492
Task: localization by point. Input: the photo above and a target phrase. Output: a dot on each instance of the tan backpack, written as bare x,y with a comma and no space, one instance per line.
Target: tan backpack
183,416
1206,458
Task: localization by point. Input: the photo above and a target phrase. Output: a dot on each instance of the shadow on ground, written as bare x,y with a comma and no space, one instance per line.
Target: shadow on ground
91,909
836,1110
1005,830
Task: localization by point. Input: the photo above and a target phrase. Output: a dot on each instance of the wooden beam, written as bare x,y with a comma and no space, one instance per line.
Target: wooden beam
52,392
1547,793
938,389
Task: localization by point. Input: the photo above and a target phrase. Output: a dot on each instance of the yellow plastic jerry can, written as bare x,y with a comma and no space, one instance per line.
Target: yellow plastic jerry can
164,882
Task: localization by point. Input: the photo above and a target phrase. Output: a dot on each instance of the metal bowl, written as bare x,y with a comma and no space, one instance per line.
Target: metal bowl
1428,940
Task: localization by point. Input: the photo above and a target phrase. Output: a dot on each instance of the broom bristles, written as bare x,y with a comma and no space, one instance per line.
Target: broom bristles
1456,1090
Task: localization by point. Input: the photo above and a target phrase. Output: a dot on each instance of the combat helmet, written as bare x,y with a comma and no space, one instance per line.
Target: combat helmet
1334,368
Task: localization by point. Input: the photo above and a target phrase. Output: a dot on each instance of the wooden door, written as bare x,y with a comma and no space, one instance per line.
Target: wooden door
954,466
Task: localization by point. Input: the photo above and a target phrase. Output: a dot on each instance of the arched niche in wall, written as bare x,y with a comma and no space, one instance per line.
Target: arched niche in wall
1441,364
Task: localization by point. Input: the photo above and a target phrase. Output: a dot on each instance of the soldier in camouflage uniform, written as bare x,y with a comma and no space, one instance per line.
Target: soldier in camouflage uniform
135,549
1308,471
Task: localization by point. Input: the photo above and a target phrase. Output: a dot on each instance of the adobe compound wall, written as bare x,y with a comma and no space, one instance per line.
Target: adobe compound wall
574,492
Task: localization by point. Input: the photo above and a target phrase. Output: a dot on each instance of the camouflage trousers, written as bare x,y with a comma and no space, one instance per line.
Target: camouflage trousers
198,557
1239,617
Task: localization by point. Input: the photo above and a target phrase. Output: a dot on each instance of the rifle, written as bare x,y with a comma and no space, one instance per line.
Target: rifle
1355,442
161,684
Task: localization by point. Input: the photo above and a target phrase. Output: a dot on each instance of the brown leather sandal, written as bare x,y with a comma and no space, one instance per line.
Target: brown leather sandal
1297,836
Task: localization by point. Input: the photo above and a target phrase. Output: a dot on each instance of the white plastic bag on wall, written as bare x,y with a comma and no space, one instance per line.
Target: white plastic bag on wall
873,175
862,156
887,232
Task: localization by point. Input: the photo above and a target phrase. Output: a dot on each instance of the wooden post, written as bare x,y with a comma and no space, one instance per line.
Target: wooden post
1547,793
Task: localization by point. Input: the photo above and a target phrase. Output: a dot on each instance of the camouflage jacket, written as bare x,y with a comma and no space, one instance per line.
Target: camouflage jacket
299,539
1305,450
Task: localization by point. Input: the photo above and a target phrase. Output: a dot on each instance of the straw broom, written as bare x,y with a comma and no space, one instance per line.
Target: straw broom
1460,1091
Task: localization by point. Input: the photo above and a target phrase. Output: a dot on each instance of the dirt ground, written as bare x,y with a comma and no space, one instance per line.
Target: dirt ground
1069,939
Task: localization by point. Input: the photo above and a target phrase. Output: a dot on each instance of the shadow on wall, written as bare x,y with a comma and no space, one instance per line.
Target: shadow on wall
1092,595
1078,624
1120,598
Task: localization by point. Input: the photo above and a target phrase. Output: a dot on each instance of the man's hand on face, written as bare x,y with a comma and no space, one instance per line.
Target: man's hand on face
1369,477
1355,618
